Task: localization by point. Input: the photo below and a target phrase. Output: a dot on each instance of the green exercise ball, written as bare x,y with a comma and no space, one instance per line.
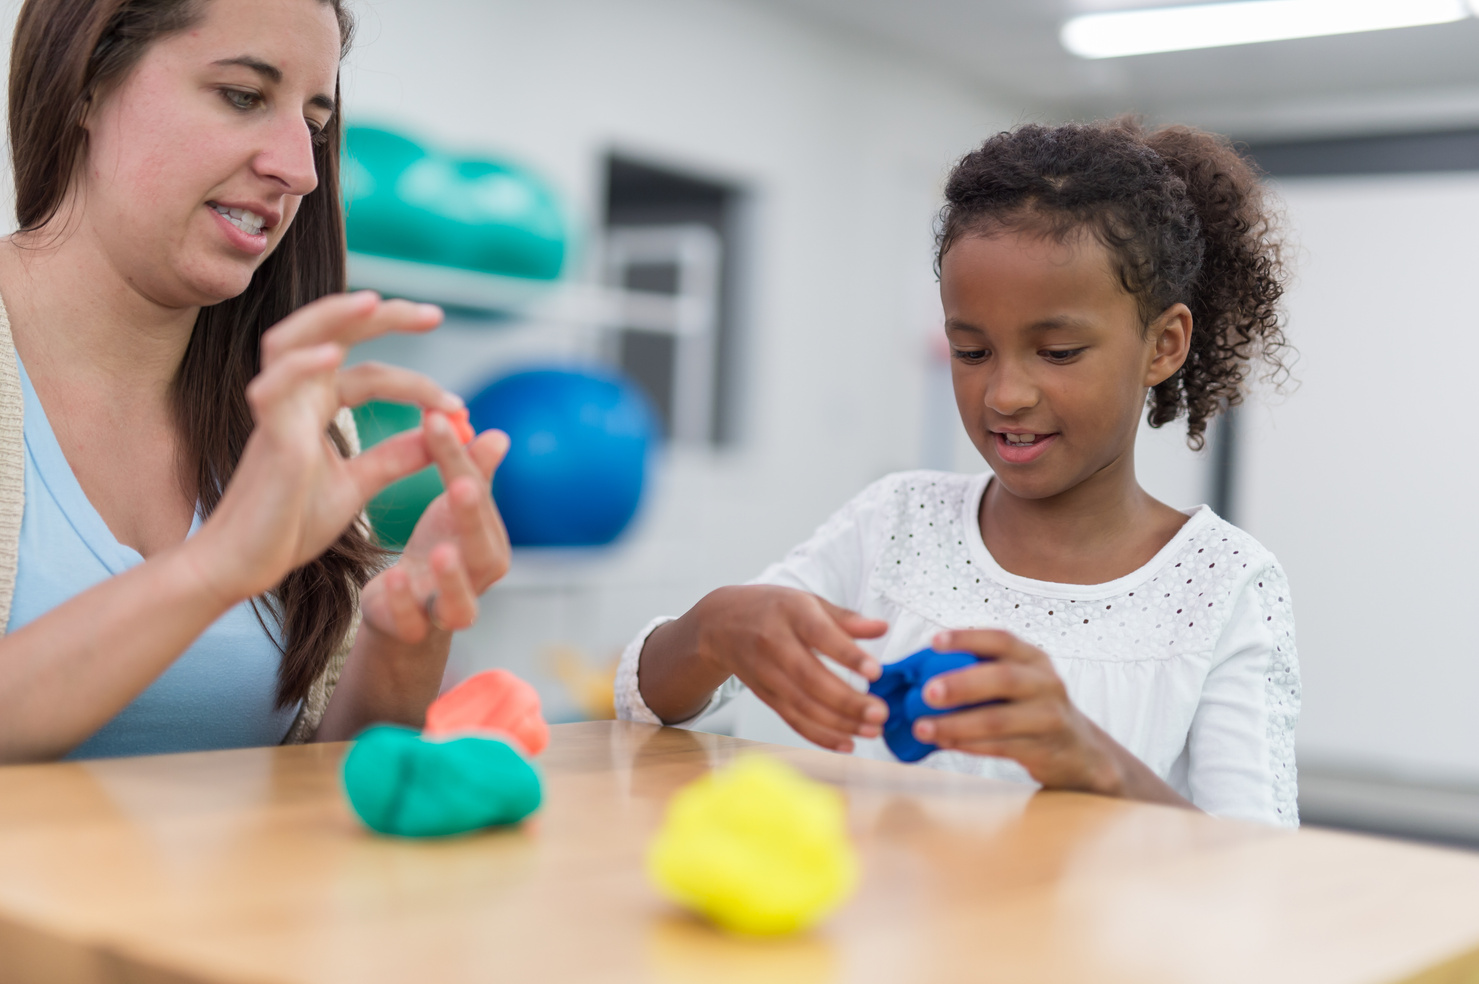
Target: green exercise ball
410,202
395,511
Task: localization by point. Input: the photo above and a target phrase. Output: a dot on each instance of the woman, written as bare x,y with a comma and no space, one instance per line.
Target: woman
182,562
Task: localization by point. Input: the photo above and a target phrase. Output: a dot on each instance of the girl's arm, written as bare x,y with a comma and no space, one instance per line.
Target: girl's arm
1033,721
68,672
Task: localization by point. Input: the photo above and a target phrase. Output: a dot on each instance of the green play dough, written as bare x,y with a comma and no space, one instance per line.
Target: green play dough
400,783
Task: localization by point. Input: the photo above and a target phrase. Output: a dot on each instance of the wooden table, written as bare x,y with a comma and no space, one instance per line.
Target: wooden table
247,866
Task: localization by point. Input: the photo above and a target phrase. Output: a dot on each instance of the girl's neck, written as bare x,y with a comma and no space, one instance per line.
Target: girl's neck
75,316
1101,529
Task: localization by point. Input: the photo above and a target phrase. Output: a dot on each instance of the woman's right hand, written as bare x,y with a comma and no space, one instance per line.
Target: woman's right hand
770,636
293,494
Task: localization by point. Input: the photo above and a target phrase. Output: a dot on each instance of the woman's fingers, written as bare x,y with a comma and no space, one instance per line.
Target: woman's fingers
275,386
377,381
481,532
408,618
391,460
346,319
456,602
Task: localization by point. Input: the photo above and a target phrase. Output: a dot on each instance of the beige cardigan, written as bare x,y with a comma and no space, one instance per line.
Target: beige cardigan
13,504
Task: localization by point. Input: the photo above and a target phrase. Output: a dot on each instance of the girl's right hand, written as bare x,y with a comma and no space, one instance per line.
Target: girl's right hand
292,494
770,636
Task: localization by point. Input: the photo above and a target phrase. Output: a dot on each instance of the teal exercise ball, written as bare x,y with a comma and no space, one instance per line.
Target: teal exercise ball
396,510
580,446
409,202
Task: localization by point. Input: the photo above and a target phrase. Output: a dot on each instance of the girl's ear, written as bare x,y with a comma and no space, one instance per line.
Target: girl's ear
1170,335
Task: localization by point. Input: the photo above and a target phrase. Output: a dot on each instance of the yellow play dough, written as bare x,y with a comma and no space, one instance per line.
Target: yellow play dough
756,847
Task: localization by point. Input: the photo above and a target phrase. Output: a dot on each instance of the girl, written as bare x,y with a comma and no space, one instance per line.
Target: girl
182,564
1134,650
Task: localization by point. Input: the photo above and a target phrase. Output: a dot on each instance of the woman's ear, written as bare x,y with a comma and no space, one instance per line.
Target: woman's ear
1170,334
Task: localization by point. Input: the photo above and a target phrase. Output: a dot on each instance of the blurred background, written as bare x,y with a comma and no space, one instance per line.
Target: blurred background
685,246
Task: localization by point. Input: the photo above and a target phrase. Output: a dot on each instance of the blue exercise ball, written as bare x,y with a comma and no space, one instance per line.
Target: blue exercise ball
577,461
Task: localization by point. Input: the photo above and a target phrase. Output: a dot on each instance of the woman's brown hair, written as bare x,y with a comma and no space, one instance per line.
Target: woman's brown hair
1184,216
67,53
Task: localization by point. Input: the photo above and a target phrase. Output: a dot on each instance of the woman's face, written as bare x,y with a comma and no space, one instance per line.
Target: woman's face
1049,356
198,159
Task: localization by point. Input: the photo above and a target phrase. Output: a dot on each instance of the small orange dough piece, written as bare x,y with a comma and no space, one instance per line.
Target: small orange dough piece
461,424
493,701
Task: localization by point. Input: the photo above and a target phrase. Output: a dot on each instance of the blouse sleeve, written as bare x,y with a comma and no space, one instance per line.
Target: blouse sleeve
1241,745
832,564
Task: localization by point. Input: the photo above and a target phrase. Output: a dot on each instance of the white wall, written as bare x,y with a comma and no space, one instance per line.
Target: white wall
843,147
1363,481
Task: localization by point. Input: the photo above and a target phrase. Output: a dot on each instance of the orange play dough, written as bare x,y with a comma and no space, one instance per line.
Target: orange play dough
461,424
492,701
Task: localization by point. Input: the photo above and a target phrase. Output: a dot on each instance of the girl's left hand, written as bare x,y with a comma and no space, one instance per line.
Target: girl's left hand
458,548
1035,723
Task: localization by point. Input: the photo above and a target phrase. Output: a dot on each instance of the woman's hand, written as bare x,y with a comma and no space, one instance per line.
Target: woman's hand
458,548
292,493
1034,722
769,637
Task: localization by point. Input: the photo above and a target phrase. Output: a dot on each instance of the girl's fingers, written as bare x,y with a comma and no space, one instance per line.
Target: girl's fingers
819,631
377,381
984,681
809,677
347,319
999,722
854,624
456,602
988,642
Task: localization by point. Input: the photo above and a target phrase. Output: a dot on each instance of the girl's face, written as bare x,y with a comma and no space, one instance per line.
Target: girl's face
196,162
1049,358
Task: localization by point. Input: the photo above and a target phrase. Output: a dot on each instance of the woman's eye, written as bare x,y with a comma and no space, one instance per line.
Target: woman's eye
241,98
1061,355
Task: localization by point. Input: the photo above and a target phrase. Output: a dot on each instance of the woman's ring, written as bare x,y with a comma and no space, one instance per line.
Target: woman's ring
431,612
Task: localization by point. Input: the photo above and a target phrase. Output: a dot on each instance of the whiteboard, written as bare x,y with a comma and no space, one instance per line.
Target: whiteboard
1363,481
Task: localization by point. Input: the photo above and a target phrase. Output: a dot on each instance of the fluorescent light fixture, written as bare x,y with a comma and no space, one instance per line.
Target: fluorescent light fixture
1213,25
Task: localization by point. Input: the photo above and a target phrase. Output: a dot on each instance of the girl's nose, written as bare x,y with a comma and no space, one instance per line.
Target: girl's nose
1010,391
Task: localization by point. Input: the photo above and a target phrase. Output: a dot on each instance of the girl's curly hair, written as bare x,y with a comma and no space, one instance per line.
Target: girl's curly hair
1182,213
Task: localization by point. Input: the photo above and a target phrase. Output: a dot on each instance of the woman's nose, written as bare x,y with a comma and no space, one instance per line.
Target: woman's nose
288,158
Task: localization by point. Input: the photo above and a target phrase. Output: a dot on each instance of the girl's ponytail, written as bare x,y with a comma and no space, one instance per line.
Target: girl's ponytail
1234,299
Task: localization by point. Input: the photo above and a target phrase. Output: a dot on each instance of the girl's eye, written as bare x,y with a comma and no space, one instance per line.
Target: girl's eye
969,355
242,99
1061,355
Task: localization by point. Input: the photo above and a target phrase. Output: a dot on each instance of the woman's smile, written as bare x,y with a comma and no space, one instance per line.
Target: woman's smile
243,229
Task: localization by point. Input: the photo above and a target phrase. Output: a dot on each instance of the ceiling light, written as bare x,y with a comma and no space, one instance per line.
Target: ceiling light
1212,25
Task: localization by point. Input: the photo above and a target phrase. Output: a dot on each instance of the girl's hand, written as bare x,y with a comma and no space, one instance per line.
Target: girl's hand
770,636
1036,724
458,548
292,493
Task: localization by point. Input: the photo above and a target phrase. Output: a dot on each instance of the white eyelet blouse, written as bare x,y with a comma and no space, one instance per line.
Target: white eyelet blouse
1188,662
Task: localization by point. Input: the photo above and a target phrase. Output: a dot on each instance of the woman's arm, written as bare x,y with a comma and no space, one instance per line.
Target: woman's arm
68,672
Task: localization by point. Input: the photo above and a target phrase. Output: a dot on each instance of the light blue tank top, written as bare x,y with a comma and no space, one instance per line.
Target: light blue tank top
218,694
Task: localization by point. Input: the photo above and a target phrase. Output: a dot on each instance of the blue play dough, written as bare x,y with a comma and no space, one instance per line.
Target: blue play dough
902,687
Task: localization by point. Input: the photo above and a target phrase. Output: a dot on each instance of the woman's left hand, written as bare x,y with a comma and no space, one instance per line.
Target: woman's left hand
1035,723
458,548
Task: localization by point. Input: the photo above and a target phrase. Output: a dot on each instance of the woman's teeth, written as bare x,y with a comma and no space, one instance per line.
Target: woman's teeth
248,222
